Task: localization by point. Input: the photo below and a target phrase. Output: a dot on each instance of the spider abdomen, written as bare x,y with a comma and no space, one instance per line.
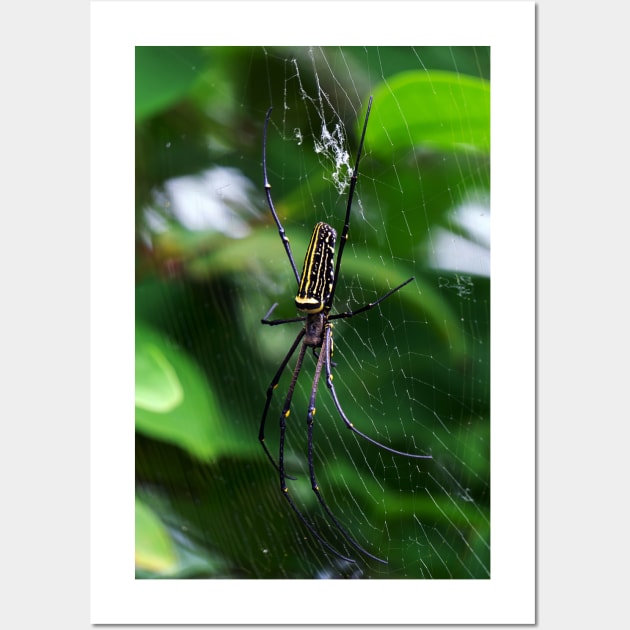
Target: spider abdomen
318,273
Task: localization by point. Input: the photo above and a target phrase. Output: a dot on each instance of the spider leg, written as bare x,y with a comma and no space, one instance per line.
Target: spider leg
313,531
316,355
283,477
270,390
276,322
367,307
283,237
271,310
333,393
311,466
346,225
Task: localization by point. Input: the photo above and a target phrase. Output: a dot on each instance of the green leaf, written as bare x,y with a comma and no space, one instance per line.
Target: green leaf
174,401
164,75
157,387
437,110
154,548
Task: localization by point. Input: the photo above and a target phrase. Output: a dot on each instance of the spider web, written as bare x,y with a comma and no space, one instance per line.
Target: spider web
412,373
399,375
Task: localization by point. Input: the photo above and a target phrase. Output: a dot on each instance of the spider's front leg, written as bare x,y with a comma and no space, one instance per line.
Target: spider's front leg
283,237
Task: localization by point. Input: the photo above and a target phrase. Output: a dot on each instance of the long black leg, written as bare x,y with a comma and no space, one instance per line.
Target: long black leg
311,467
367,307
346,226
331,387
276,322
313,531
270,390
283,477
281,232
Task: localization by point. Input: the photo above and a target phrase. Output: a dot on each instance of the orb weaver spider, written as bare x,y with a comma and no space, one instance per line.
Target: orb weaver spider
314,299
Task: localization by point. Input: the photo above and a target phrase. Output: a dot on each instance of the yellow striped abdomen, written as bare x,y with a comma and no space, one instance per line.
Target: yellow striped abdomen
318,272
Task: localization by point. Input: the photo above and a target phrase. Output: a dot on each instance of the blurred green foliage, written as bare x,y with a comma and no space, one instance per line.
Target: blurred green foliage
208,502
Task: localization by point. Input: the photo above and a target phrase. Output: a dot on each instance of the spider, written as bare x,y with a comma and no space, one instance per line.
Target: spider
314,299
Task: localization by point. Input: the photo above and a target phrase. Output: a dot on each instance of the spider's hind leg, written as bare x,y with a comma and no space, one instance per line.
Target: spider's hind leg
325,359
316,355
348,423
270,390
